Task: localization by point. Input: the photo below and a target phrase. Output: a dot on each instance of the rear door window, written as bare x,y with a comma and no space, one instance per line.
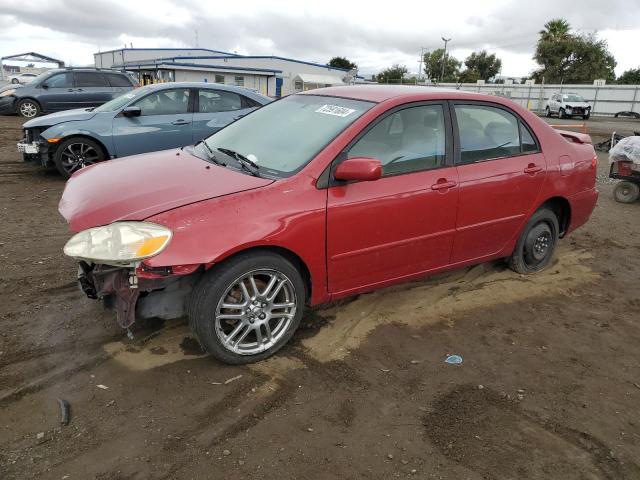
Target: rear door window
212,101
118,80
486,133
165,102
90,79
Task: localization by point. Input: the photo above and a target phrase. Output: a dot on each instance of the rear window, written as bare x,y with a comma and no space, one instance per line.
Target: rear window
118,80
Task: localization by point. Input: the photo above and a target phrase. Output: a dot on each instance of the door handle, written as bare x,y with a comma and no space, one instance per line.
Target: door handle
238,117
443,184
69,89
532,169
180,122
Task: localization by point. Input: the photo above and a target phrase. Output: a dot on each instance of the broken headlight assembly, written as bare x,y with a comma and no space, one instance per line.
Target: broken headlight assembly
8,93
121,243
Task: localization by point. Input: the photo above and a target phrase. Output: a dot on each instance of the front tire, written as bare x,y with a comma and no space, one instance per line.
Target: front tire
76,153
15,81
586,117
626,192
562,113
547,112
245,309
28,108
536,245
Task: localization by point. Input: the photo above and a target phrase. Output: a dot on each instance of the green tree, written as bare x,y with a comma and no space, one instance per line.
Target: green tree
481,65
393,74
342,62
433,66
565,57
630,77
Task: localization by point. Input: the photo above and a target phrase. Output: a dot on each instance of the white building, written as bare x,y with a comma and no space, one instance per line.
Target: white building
269,75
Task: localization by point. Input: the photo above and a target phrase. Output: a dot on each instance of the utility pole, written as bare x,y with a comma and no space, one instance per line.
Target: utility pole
420,63
444,57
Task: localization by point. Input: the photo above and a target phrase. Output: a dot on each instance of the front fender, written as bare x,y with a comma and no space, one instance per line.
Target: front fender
100,132
288,214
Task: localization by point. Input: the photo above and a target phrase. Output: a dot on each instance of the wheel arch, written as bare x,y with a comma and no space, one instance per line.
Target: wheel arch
80,135
33,99
290,255
562,208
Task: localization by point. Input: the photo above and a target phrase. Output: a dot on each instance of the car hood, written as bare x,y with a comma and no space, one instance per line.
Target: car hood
59,117
138,187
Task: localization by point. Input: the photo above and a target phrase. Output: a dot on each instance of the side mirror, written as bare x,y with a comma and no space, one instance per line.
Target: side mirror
131,111
44,85
359,169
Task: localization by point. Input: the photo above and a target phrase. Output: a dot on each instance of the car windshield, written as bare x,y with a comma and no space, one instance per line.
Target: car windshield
284,136
572,97
119,102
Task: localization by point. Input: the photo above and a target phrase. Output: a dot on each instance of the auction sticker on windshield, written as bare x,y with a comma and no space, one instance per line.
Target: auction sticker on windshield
335,110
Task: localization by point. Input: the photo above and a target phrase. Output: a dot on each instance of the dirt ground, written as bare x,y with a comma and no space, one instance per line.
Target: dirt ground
549,387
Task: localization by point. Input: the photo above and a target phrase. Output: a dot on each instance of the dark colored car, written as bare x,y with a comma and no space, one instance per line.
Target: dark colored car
65,89
151,118
322,195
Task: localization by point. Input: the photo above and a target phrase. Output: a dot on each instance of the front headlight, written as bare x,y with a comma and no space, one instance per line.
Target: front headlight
6,93
118,243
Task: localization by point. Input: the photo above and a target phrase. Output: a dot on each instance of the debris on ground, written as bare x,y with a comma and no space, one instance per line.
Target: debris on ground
453,359
103,387
232,379
65,411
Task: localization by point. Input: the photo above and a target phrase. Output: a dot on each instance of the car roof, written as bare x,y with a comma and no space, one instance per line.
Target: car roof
381,93
217,86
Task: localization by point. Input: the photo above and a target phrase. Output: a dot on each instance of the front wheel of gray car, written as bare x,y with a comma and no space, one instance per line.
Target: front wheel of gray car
28,108
245,309
76,153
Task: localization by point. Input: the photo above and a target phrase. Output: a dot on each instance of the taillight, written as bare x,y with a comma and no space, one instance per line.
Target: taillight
624,169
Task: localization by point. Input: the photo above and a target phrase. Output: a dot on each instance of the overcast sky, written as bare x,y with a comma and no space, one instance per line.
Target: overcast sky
371,34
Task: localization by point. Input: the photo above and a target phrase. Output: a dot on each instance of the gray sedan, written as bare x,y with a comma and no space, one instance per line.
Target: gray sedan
151,118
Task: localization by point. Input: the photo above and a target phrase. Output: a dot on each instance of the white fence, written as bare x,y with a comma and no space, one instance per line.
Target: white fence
605,100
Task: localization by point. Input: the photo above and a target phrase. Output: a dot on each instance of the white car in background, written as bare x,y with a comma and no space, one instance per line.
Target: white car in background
22,78
567,105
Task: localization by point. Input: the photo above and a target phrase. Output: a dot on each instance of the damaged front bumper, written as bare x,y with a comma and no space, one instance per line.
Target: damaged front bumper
136,292
34,148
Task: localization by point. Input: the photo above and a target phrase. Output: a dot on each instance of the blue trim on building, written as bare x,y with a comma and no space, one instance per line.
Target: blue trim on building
198,65
239,57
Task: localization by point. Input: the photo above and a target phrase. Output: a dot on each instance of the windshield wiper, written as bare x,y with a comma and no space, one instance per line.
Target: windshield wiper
246,163
210,153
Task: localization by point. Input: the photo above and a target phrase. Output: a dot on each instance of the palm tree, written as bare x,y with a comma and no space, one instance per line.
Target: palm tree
554,30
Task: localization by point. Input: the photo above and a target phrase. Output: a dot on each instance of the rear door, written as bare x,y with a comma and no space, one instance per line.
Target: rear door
403,223
500,171
92,89
119,82
165,122
214,109
57,92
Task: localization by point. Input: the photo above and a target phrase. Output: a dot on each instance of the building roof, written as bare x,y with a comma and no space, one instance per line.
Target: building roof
169,49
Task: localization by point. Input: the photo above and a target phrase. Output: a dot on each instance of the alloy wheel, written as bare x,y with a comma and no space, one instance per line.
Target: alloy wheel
255,311
78,155
28,109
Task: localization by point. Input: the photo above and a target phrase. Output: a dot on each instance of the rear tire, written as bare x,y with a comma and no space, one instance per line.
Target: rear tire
547,112
626,192
76,153
586,117
536,245
28,108
240,325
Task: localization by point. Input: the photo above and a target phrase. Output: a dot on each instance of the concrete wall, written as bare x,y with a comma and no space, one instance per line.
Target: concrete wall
605,100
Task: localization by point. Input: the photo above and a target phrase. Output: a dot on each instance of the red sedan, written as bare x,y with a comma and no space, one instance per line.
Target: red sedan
318,196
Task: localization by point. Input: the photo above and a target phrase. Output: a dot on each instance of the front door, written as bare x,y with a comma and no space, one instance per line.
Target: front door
58,93
165,122
403,223
500,172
